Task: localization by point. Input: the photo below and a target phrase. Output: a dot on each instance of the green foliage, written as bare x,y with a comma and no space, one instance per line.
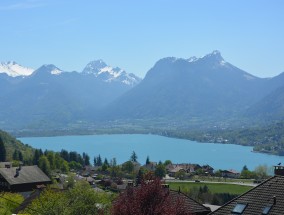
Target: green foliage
213,187
2,151
98,161
261,171
75,165
44,165
160,171
128,167
180,175
147,160
12,144
167,162
133,157
9,202
81,199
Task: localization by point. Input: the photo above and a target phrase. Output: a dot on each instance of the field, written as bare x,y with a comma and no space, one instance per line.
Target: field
185,187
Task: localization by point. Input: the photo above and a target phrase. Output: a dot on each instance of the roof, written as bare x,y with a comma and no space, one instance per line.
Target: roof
191,205
27,174
258,198
232,171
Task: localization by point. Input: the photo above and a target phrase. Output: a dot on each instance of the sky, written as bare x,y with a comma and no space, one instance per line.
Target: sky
134,35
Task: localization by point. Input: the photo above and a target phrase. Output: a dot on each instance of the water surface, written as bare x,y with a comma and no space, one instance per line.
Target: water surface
219,156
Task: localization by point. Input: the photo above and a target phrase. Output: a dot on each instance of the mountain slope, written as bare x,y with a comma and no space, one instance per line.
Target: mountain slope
185,89
50,97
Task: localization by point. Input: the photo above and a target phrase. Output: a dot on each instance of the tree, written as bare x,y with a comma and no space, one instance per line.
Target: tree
167,162
113,162
36,157
160,171
87,160
9,202
139,177
44,165
148,198
106,162
20,156
80,199
16,155
2,151
128,166
99,161
245,168
261,171
65,155
147,160
133,157
75,165
64,166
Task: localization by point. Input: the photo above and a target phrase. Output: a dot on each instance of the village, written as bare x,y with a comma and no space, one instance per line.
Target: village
104,177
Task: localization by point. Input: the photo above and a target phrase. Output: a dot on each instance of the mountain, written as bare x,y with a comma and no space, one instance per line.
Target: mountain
106,73
51,97
189,90
13,69
175,92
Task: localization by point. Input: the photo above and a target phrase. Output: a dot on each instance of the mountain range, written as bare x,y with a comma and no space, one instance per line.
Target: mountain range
184,91
48,96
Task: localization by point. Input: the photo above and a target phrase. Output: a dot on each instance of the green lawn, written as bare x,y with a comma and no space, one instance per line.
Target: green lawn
214,188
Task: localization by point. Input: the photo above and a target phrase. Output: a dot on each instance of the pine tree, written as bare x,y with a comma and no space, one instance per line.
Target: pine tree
16,155
133,157
87,160
36,157
2,151
147,160
20,156
99,161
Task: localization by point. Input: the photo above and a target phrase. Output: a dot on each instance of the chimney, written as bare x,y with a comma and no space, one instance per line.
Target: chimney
279,170
17,173
274,200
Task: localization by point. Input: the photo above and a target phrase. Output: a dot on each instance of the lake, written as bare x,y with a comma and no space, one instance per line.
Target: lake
120,146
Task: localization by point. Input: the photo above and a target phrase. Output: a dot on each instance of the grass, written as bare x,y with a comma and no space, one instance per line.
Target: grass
185,187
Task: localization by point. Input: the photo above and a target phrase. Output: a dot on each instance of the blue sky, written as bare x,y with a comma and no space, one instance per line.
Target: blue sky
135,34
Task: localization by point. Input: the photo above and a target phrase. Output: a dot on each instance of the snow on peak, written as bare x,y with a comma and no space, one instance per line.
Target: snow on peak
101,70
94,66
192,59
56,72
48,69
11,68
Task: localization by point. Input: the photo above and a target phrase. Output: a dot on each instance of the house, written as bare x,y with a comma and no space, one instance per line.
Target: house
192,206
208,169
172,169
176,169
150,166
230,173
23,178
265,199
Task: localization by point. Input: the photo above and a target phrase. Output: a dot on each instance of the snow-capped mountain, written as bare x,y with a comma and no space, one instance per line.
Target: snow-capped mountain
49,69
101,70
13,69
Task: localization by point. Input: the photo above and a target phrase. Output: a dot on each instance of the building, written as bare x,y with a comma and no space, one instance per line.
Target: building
265,199
230,173
192,206
23,178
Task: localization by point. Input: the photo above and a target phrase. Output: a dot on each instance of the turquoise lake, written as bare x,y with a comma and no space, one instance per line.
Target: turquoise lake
219,156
